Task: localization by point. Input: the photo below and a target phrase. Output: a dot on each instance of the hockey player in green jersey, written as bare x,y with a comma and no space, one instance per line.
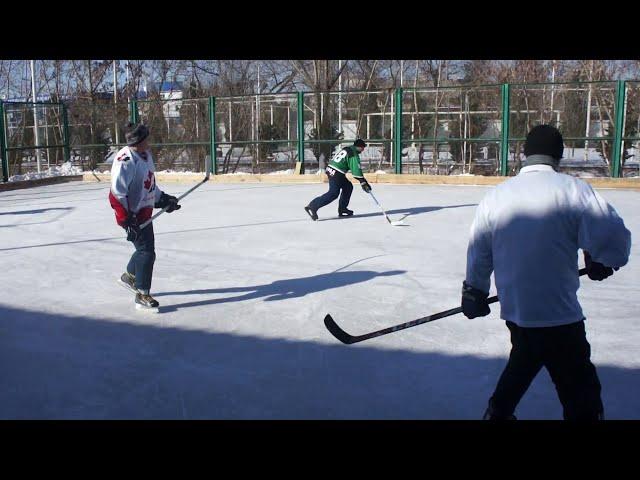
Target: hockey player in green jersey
342,161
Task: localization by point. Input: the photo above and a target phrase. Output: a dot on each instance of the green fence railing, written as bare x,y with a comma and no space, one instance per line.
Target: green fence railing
473,129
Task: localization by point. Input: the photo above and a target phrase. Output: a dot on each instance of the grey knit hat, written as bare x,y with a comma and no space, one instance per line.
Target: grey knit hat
135,133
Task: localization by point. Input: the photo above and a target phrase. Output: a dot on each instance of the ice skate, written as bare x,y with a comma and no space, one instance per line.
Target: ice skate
146,302
312,213
128,281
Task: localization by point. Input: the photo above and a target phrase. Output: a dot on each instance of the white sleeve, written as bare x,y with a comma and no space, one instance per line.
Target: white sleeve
602,232
122,173
479,250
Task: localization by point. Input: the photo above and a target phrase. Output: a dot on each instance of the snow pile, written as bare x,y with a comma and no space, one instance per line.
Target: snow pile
64,170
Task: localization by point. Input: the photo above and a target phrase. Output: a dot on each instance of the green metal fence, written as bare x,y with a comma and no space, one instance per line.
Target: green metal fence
19,155
256,134
477,130
451,130
585,113
333,120
95,131
630,141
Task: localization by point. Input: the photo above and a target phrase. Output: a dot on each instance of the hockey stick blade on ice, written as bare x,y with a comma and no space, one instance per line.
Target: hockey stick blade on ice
396,223
347,339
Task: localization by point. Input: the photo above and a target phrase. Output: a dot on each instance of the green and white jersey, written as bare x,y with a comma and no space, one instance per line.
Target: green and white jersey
347,159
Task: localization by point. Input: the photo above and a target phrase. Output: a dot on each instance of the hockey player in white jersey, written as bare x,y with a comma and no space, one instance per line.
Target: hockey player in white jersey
133,196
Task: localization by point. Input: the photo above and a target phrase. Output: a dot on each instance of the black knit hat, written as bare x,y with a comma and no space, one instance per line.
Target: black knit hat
359,143
135,133
544,140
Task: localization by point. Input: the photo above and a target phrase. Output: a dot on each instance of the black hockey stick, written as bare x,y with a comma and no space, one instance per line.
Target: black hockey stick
344,337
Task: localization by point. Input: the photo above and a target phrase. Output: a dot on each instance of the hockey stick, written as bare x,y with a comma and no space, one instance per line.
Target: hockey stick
179,198
394,223
344,337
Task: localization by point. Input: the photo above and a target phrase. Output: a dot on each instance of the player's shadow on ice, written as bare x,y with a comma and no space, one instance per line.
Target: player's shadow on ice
402,211
31,212
65,211
280,289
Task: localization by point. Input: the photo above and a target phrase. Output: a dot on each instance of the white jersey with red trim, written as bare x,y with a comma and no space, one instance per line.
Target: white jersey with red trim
133,181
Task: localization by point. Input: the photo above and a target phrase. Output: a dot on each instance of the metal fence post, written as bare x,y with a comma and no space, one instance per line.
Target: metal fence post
397,137
504,150
65,134
3,145
301,131
133,111
212,136
621,90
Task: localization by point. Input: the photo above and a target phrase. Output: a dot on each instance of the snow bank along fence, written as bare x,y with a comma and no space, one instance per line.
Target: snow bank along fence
448,131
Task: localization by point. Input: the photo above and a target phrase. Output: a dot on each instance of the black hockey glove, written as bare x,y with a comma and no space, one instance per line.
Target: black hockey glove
596,270
474,302
365,185
131,227
168,201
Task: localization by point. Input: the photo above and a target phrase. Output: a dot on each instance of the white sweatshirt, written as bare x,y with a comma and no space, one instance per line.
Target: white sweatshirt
528,230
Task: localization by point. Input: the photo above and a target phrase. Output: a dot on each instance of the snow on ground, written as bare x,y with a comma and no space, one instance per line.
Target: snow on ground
245,279
55,171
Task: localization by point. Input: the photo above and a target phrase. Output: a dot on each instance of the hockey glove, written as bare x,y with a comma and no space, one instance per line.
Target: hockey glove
131,227
474,302
365,185
168,201
596,270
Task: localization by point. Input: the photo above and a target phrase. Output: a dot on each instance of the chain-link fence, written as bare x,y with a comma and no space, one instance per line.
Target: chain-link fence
584,113
96,131
630,157
461,130
21,136
333,120
257,133
453,130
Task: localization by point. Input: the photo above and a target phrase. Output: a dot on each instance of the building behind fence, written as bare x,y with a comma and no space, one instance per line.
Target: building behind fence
477,130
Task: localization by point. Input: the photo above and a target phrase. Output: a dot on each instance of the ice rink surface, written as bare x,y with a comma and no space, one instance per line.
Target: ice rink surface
244,279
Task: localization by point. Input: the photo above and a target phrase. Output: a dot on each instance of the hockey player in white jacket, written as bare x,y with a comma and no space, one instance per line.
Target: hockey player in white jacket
133,196
527,231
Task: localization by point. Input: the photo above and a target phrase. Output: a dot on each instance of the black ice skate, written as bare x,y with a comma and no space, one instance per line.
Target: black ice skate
312,213
146,302
128,281
345,212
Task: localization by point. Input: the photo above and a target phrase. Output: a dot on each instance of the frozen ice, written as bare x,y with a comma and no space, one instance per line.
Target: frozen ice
244,279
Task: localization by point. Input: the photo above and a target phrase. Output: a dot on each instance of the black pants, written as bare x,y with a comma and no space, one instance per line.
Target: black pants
565,352
337,182
142,260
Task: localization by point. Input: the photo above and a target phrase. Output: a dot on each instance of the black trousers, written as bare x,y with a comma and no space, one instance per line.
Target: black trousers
142,260
565,352
337,182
